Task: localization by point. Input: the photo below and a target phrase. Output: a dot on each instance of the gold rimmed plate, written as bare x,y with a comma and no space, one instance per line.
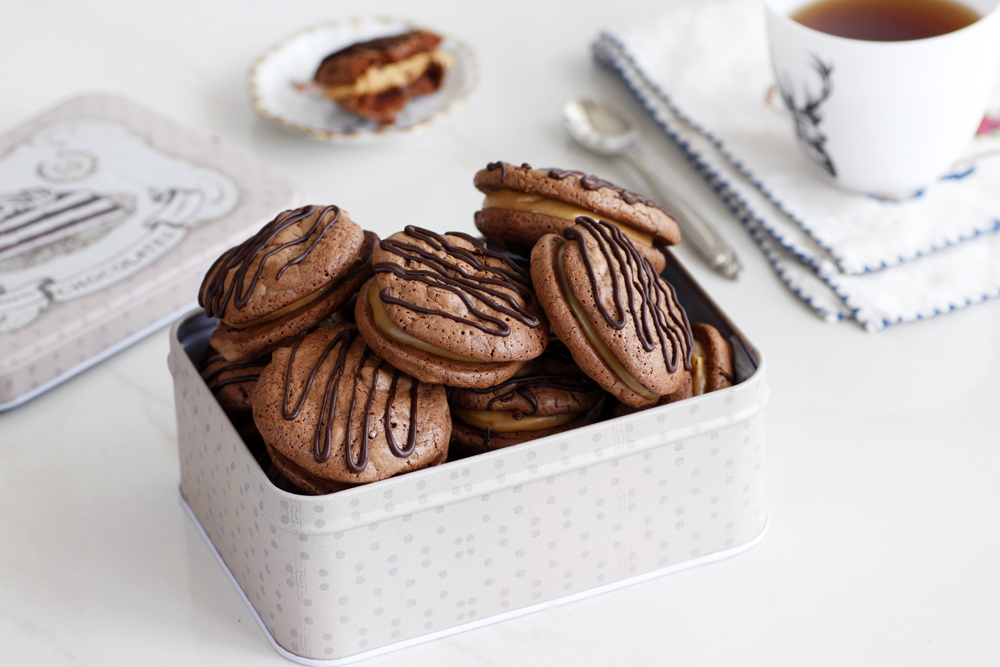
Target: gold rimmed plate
281,90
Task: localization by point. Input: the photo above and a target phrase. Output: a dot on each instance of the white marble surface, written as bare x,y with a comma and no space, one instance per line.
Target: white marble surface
882,449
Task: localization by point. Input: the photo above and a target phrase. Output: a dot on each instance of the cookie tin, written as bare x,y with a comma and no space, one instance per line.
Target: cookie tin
109,217
333,579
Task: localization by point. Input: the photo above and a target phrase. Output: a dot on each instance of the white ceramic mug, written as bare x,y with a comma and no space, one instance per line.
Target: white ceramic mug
884,117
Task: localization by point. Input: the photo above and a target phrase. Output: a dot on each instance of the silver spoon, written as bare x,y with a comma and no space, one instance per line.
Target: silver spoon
609,131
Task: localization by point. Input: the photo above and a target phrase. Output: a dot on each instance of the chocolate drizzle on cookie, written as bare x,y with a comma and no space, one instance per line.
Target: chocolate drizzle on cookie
323,436
650,301
523,386
591,182
411,434
504,289
214,294
502,166
586,181
216,382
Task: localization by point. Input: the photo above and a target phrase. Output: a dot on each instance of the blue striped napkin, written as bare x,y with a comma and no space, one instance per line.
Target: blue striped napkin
703,72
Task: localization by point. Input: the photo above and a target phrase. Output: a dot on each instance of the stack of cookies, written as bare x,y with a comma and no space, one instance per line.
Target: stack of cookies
361,359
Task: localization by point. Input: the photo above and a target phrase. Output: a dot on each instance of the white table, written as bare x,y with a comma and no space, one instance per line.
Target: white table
883,451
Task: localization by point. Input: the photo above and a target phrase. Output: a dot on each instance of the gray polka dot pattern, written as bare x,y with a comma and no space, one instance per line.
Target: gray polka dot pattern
337,575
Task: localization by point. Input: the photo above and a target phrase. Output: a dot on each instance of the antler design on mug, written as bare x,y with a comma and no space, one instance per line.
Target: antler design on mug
808,116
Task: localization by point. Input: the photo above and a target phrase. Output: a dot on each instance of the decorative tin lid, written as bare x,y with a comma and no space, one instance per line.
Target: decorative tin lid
109,217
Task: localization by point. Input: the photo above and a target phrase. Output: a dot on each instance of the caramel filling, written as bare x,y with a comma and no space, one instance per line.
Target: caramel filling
386,326
504,421
281,312
395,75
522,201
591,334
699,375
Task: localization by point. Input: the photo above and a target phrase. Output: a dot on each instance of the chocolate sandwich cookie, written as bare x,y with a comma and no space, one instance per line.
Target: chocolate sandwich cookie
446,309
285,473
524,204
711,364
278,479
711,368
375,79
548,395
330,410
297,270
233,385
620,320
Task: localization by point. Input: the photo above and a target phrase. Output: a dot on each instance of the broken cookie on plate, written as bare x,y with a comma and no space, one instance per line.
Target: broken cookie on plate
356,79
376,78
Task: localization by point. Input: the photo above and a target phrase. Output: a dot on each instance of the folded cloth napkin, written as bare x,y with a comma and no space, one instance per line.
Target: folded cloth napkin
703,72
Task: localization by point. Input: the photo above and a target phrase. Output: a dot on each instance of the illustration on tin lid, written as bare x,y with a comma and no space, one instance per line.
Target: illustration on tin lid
86,203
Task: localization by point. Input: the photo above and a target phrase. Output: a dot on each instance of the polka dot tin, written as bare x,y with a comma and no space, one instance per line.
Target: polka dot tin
336,578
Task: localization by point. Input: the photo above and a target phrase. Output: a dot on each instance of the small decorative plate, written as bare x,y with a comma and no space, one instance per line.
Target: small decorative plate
280,89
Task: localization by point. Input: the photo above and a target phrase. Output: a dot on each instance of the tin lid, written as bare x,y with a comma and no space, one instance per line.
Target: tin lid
110,215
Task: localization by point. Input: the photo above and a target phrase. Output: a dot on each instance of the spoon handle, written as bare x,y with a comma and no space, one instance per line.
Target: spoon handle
694,228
